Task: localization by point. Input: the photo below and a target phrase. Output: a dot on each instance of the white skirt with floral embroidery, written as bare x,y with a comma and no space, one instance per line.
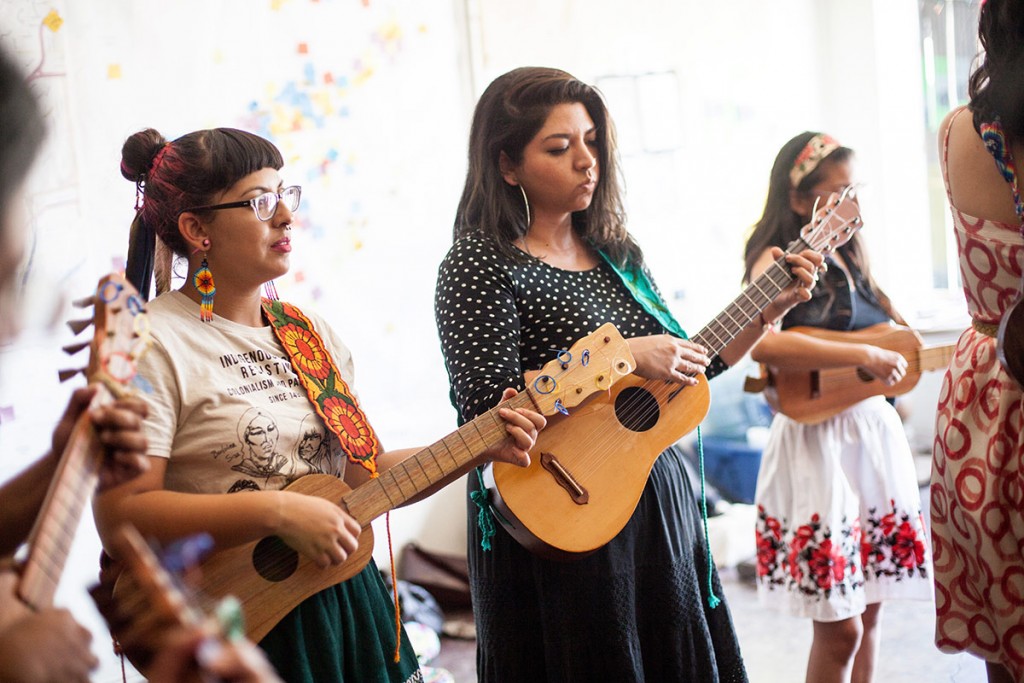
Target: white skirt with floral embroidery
839,515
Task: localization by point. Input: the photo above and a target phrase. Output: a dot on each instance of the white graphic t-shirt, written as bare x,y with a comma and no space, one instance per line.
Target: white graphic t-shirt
227,408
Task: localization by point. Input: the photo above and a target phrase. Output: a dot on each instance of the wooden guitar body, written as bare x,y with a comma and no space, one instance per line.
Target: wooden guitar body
811,396
267,576
589,468
270,578
1010,341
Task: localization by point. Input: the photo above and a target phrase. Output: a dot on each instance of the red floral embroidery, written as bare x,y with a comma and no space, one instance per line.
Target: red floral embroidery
893,544
827,565
813,561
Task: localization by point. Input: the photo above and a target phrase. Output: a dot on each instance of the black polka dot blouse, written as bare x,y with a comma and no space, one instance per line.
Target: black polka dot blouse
498,318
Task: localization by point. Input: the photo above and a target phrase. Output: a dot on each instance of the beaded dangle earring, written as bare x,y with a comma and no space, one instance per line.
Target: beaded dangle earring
270,290
202,280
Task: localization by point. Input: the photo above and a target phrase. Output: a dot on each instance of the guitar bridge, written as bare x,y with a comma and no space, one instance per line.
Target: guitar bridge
579,495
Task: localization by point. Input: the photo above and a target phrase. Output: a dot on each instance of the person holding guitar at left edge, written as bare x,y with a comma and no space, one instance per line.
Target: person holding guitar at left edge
46,645
977,514
541,257
840,528
250,395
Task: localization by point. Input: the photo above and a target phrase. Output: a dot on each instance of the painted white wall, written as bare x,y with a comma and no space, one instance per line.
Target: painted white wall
388,89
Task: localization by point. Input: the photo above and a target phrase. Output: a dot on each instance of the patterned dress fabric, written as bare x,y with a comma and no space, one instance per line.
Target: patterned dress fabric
839,523
634,610
977,492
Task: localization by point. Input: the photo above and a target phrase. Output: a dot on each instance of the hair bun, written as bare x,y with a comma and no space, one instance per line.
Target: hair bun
138,152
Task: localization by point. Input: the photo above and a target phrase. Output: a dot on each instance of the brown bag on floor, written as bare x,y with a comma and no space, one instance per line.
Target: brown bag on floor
446,577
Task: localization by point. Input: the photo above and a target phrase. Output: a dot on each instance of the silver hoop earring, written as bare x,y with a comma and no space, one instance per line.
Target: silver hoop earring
527,203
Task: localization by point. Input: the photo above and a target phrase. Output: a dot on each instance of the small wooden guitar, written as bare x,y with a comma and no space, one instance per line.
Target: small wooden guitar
1010,340
159,605
589,469
121,335
810,396
270,578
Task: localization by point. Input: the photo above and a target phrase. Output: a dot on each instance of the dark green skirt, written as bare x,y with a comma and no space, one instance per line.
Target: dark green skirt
343,633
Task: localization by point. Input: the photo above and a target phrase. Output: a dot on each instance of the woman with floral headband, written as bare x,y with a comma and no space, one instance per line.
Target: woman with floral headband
978,460
839,528
234,378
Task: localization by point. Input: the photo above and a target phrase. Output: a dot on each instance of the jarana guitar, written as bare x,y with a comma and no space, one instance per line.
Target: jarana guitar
121,335
810,396
270,579
589,468
159,605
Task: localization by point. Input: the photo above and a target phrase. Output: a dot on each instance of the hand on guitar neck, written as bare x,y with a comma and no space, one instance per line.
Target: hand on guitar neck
98,439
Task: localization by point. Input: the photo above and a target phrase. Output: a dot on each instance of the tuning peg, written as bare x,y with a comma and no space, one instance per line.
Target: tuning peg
67,374
86,302
72,349
78,325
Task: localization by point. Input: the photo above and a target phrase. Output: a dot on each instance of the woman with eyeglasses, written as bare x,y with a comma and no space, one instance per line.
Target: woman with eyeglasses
839,527
234,378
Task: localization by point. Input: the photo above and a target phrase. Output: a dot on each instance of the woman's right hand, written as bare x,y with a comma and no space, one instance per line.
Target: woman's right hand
888,366
662,356
317,528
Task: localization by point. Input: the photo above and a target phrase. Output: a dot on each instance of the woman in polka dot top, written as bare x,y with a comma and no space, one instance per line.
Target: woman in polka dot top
538,225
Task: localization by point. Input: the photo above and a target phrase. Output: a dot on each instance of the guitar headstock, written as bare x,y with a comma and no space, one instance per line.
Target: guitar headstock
120,334
593,363
834,221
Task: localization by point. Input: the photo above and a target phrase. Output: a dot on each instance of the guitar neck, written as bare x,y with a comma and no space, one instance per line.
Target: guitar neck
754,298
414,475
935,357
51,537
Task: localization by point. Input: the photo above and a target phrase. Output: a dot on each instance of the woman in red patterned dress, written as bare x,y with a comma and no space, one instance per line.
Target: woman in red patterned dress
977,493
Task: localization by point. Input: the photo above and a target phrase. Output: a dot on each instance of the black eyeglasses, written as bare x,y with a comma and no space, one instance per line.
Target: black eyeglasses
264,205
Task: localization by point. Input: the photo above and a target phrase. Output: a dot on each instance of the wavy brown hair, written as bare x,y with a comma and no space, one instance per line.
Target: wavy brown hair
511,111
996,86
779,225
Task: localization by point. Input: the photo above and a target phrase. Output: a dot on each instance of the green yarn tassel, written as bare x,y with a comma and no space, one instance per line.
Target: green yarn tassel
713,600
484,519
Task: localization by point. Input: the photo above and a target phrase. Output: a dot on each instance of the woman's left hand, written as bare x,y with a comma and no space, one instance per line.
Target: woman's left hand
522,426
804,267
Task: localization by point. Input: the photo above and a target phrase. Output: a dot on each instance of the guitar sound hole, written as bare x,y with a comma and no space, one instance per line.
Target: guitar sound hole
637,409
274,560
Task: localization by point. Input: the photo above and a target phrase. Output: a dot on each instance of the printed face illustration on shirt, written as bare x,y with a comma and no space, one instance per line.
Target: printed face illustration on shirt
258,434
314,446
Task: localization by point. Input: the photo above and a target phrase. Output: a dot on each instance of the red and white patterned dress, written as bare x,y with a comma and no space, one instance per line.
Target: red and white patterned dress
977,490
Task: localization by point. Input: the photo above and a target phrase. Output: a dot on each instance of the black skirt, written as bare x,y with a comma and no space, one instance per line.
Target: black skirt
635,610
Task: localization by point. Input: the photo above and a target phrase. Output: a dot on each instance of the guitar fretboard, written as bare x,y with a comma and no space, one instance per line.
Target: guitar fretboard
754,298
57,521
415,474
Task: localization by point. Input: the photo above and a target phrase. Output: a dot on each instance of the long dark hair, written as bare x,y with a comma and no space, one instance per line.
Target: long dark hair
996,86
21,129
509,114
174,176
780,224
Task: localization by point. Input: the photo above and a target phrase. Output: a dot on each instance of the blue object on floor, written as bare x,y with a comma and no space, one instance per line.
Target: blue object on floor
732,465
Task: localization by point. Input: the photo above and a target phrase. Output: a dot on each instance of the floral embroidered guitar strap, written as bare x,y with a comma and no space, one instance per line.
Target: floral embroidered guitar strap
642,289
327,390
